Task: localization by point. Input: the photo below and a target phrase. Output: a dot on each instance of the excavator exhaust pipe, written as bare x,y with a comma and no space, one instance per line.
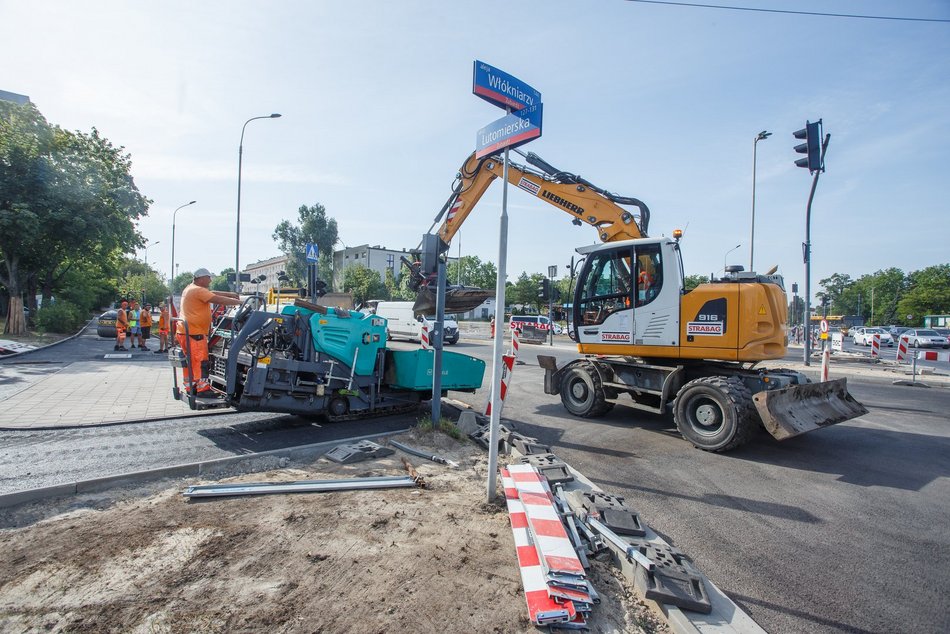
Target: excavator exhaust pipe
799,409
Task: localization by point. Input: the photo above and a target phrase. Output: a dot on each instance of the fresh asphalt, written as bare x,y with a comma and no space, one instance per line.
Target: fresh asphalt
841,530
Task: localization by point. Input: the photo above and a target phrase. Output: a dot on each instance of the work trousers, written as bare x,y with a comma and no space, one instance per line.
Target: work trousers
196,351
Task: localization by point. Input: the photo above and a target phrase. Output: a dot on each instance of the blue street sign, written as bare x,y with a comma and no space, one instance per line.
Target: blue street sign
509,132
501,89
313,253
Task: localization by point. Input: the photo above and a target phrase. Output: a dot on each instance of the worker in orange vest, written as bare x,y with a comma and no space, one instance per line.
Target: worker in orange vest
145,326
121,325
196,302
162,328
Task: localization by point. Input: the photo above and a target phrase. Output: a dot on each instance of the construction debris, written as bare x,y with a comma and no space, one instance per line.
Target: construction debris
418,479
357,452
423,454
556,588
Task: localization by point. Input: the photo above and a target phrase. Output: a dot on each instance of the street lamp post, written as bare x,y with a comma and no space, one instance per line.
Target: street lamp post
237,235
759,137
147,245
726,255
171,269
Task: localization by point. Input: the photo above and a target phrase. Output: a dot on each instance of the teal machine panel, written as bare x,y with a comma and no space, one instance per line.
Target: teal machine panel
412,370
346,335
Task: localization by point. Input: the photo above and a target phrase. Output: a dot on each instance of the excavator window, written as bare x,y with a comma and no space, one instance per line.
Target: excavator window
649,273
608,287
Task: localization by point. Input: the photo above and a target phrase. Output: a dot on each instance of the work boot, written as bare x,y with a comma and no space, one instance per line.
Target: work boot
159,351
144,348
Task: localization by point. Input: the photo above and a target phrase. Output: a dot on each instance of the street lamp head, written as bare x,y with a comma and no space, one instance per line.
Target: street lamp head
763,135
275,115
193,202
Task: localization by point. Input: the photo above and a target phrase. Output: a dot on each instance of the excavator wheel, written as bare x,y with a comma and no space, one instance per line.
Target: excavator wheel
715,413
582,392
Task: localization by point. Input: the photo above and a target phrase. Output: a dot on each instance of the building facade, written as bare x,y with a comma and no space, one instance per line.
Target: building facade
269,268
375,258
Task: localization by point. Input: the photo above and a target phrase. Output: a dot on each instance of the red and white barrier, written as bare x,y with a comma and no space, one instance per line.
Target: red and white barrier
507,366
542,608
902,344
515,341
932,355
424,337
876,346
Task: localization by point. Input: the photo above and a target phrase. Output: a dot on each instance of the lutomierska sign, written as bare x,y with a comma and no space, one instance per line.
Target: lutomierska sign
511,131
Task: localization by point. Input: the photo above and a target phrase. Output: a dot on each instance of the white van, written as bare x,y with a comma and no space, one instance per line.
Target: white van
402,322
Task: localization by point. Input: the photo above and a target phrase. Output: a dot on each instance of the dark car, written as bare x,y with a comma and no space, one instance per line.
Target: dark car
105,325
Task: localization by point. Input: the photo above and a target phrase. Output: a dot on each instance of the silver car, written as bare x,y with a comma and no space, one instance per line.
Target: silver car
925,338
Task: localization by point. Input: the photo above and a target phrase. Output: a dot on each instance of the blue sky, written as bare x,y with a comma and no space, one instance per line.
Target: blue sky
661,103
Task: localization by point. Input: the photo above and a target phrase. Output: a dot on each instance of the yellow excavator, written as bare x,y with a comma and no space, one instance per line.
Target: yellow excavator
644,336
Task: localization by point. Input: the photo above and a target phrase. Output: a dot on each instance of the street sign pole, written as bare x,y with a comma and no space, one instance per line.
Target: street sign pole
502,90
498,347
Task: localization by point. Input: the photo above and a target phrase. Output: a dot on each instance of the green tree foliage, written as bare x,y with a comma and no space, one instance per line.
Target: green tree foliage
220,282
60,317
469,270
692,281
928,293
313,226
65,198
134,277
363,283
181,281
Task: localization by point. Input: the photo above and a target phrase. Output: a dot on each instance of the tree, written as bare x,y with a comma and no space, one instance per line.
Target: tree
220,282
692,281
65,198
313,226
928,293
364,283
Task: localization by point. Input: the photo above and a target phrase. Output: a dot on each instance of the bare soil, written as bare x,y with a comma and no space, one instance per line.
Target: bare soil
433,559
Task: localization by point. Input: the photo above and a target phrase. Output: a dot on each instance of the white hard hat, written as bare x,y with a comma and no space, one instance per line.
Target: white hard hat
202,273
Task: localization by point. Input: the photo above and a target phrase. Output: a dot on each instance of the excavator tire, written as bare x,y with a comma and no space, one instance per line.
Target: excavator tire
582,392
715,413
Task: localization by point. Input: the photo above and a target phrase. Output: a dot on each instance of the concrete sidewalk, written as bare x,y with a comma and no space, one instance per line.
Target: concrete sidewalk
93,393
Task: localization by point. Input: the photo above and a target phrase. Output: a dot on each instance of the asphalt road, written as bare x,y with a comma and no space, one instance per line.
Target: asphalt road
841,530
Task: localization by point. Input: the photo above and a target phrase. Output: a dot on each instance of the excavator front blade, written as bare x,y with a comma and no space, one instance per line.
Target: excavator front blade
458,299
803,408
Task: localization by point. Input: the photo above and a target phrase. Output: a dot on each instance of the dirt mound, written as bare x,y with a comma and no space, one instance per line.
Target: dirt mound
438,559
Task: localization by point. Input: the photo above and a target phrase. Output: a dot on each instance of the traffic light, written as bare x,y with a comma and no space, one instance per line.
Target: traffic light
319,288
811,134
544,289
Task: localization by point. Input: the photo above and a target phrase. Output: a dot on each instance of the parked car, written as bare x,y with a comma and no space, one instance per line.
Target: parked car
866,336
896,331
943,332
926,338
105,325
402,322
854,332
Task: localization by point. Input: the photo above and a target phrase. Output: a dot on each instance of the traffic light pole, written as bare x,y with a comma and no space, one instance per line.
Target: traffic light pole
436,339
806,251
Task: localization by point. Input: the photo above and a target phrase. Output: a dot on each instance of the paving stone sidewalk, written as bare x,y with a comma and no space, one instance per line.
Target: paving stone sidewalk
92,393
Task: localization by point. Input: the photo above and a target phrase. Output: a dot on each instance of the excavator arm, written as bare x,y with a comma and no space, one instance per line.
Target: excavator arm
572,194
577,197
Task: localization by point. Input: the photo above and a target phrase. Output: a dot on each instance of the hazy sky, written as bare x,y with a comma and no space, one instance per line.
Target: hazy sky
657,102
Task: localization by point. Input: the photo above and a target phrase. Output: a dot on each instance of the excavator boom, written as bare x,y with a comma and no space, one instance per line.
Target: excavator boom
574,195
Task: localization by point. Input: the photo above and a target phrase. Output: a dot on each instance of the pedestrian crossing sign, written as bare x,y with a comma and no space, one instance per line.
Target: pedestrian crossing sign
313,252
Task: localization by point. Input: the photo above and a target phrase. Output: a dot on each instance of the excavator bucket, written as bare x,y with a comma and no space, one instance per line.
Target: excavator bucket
458,299
803,408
